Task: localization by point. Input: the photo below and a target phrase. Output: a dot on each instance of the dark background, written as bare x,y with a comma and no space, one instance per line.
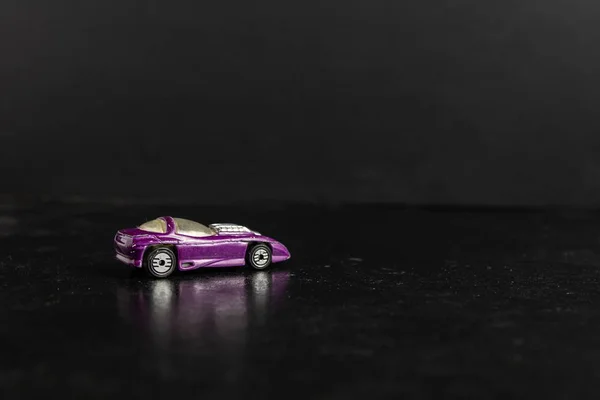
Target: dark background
470,118
454,102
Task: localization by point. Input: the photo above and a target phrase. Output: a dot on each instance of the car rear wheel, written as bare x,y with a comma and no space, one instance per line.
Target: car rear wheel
259,256
160,262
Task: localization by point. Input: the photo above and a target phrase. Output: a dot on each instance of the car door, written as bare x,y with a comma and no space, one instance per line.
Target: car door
213,251
190,250
200,246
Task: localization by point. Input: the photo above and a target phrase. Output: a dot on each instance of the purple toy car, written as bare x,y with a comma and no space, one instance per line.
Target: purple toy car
166,243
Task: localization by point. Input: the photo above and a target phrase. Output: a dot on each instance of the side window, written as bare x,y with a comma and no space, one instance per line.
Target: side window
156,225
191,228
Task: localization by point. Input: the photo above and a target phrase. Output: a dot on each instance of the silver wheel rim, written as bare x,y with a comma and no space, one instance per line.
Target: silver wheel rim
162,262
260,257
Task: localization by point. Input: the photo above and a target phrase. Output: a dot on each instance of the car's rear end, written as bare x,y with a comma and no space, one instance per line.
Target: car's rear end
279,251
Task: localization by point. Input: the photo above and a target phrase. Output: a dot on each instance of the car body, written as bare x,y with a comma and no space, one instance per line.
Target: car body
167,243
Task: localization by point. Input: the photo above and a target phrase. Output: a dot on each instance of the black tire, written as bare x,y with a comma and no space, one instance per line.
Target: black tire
160,262
259,256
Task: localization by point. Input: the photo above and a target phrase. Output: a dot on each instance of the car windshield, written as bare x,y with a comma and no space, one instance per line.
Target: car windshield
191,228
156,225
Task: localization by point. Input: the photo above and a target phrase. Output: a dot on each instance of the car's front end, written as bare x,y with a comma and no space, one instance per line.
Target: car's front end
128,248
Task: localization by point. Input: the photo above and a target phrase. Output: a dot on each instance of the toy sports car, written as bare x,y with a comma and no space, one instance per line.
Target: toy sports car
166,243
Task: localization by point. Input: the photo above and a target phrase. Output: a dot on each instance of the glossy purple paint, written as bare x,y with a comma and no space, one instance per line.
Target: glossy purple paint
223,249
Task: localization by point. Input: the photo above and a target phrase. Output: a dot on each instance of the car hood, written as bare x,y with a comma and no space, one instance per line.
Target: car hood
135,232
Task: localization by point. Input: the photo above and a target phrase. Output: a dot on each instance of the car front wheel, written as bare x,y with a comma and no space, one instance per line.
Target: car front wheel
160,262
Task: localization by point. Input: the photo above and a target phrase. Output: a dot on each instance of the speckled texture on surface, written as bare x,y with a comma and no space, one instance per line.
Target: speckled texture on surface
377,302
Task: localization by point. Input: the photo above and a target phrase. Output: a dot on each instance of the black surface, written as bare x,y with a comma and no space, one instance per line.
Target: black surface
439,101
376,302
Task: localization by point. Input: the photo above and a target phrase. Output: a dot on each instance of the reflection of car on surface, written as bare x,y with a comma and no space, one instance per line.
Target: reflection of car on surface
164,244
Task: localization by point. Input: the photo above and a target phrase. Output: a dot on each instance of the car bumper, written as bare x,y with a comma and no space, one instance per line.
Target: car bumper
280,253
128,260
